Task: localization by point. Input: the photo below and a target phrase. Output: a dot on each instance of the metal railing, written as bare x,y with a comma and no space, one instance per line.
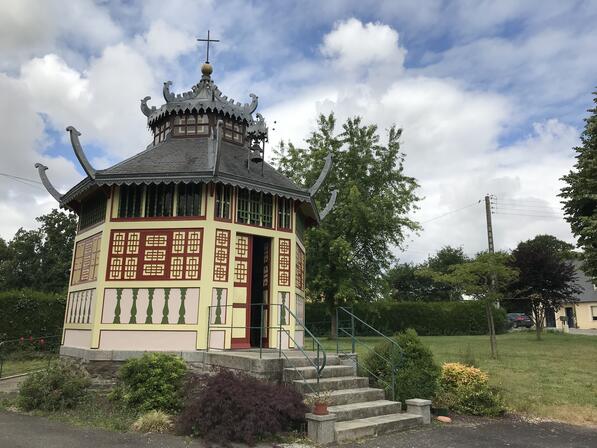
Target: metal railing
319,366
24,355
265,311
396,352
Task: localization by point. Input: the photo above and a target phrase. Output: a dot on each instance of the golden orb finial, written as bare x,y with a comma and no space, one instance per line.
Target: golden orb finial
207,69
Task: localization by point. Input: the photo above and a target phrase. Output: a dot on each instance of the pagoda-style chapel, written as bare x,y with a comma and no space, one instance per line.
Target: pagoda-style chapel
195,242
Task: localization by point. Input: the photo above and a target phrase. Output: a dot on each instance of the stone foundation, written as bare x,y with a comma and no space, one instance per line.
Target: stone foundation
104,364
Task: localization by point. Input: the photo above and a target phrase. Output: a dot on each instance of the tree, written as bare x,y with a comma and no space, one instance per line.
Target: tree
58,231
484,278
39,259
407,283
351,249
547,277
580,194
406,286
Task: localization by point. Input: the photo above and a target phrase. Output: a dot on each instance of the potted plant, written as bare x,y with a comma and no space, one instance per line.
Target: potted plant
319,402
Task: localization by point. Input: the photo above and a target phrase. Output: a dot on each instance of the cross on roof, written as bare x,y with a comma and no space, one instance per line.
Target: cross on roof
208,40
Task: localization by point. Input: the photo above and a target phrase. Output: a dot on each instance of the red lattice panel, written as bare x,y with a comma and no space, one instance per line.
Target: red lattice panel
221,255
284,262
165,254
300,268
241,261
86,260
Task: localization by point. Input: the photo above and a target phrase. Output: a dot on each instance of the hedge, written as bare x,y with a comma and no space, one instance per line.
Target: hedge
427,318
25,313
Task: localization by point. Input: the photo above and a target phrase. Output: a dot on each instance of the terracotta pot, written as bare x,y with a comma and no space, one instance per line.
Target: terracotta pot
320,409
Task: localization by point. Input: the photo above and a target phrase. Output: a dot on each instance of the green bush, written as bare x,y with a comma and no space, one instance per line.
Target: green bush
152,382
25,313
466,390
417,374
62,386
427,318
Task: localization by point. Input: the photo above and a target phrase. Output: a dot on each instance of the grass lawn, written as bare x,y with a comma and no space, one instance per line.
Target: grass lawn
15,366
553,378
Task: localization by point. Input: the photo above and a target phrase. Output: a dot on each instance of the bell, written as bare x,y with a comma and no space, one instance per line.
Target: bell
256,153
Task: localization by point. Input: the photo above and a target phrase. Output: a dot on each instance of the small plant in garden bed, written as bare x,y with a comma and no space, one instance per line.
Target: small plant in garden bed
62,386
153,421
151,382
466,390
228,407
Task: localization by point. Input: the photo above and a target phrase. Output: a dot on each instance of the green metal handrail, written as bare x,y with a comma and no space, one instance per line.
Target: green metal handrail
396,349
320,350
317,346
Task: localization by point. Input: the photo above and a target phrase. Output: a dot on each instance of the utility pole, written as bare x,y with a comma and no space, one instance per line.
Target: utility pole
488,307
489,226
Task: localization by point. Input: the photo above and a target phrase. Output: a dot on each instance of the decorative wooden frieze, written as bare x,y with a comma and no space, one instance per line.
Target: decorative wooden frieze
300,268
221,255
284,262
86,260
241,261
165,254
80,306
150,306
219,300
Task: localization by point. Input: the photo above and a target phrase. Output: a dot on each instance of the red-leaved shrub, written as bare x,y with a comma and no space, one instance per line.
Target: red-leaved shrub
233,407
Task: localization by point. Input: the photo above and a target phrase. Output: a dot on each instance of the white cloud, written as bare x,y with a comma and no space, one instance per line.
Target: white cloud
363,48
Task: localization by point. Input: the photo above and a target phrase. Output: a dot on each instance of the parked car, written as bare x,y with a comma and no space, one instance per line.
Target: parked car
517,320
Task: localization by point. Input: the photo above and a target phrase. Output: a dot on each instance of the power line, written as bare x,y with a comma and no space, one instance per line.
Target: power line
513,204
452,211
524,214
11,176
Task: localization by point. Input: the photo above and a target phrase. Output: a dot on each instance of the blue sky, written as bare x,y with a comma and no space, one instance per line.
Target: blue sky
490,94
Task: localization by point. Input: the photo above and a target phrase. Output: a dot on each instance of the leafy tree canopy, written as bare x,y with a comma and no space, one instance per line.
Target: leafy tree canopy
547,277
351,248
409,282
39,259
580,194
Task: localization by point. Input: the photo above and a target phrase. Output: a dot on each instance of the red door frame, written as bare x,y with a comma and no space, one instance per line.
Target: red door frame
245,342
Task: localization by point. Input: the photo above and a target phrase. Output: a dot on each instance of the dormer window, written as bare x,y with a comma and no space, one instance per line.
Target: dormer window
233,131
160,132
191,125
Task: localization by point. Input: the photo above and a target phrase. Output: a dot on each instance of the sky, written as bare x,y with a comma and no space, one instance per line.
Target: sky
490,95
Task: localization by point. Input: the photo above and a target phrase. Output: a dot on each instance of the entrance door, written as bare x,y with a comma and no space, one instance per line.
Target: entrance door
252,291
570,317
260,291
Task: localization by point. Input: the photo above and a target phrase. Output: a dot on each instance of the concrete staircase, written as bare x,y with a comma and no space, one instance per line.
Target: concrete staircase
361,411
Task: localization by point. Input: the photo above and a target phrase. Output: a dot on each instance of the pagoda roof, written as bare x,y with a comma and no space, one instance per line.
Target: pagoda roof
204,97
187,160
196,159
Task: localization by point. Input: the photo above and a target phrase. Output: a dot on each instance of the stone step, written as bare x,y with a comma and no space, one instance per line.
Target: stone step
365,409
374,426
299,373
301,361
335,383
348,396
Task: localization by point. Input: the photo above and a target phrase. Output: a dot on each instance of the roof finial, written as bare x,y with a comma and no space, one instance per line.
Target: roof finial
206,68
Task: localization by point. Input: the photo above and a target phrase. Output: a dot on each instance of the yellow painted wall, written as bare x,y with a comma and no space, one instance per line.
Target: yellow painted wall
583,315
206,283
